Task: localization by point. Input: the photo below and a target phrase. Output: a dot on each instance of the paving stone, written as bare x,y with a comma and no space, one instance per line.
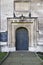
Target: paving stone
22,58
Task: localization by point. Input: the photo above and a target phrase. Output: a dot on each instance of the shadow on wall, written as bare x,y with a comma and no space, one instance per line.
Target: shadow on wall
3,36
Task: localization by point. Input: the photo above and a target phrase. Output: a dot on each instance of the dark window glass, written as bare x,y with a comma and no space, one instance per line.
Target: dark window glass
3,36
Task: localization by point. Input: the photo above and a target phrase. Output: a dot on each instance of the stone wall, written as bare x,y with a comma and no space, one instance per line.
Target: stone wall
6,11
36,8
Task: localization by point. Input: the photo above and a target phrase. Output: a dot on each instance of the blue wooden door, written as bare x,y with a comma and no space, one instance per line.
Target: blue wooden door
22,39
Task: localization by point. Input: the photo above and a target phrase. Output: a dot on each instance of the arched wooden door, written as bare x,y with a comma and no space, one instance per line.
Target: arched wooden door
21,39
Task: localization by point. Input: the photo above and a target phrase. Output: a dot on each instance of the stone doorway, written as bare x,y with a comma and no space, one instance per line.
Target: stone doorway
28,26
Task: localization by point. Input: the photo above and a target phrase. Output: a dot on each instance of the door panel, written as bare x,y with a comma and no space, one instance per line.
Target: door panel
22,39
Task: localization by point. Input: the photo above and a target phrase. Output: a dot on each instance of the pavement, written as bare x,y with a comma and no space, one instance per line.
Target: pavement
22,58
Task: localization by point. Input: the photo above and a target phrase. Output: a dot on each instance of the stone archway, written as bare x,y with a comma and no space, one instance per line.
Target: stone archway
22,39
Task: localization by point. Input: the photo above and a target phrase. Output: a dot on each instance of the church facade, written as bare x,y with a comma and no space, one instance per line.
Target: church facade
22,29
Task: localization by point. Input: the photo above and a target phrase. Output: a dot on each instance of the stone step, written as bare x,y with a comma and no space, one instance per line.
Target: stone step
20,54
